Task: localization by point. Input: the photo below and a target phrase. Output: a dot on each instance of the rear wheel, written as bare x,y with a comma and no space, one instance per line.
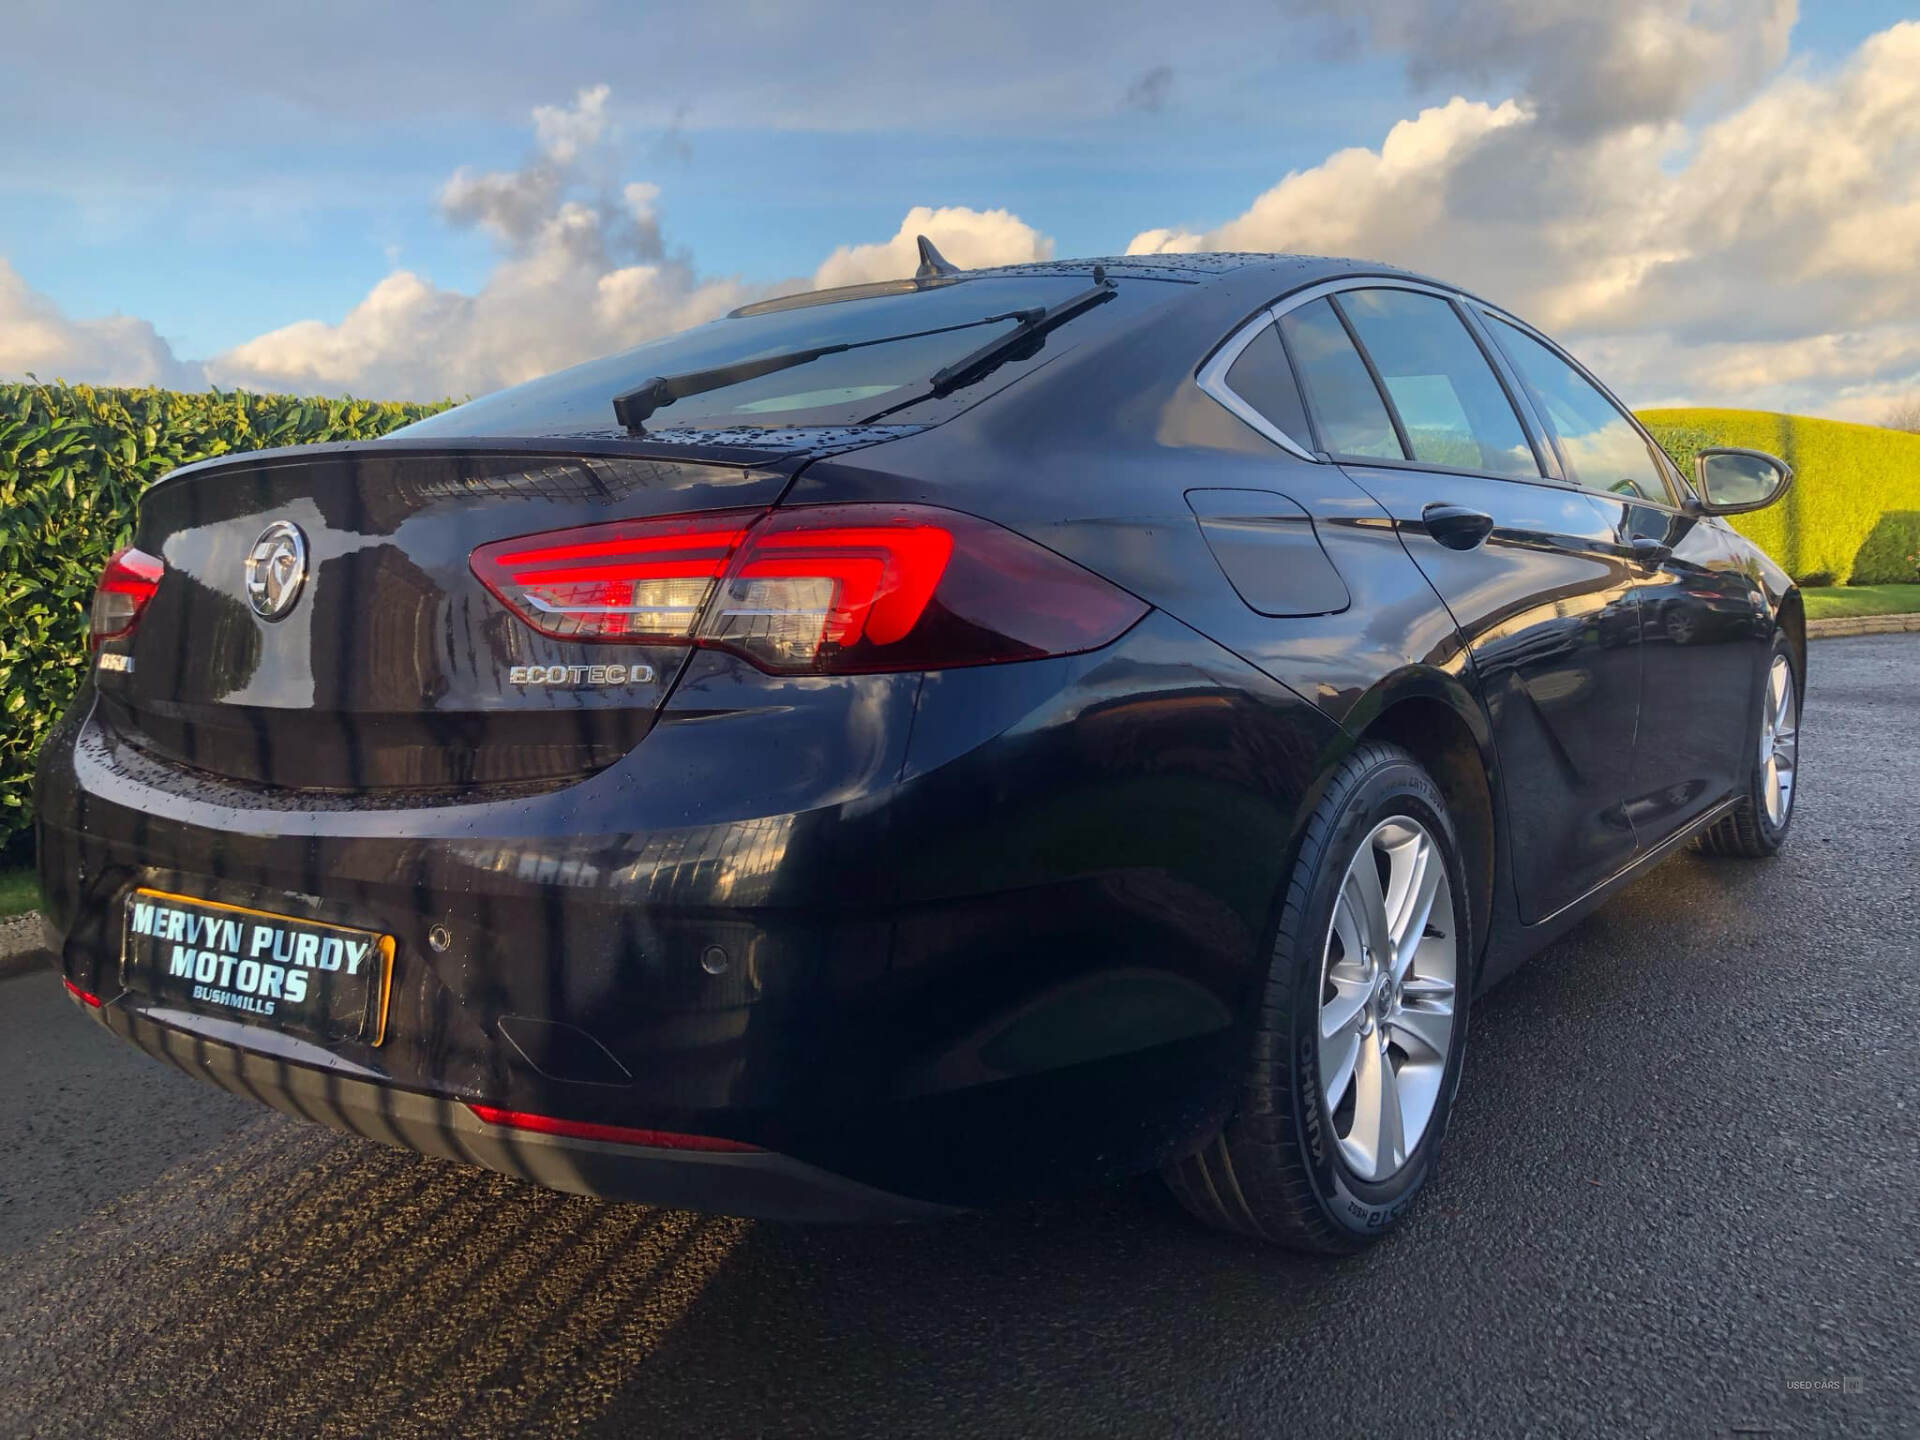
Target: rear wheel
1757,827
1358,1046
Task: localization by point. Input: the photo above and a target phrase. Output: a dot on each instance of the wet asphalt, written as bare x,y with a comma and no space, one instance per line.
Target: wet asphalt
1681,1196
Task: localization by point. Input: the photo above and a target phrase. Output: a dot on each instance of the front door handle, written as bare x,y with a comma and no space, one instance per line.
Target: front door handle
1649,551
1455,526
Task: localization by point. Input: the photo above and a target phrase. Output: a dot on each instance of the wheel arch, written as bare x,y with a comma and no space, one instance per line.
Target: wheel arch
1435,717
1791,616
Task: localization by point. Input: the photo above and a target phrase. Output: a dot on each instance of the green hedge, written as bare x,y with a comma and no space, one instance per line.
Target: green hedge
1849,518
73,461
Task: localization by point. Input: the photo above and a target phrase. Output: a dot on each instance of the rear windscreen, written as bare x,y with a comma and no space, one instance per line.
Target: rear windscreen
839,389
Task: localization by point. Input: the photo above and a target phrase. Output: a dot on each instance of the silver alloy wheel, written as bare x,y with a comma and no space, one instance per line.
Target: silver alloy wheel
1779,742
1387,996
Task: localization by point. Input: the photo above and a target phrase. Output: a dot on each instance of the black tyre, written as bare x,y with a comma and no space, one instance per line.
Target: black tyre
1757,827
1358,1045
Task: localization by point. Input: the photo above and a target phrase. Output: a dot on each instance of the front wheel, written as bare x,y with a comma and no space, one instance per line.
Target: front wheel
1757,826
1362,1028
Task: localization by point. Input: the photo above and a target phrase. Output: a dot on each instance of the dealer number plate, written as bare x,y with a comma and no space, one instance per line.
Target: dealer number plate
328,981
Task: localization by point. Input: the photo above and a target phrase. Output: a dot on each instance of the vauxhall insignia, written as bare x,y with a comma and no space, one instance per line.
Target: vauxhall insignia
276,569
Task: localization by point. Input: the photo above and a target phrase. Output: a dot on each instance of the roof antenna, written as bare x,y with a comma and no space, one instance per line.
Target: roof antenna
932,262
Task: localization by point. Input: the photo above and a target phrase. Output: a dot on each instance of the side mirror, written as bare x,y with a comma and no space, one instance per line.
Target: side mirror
1731,482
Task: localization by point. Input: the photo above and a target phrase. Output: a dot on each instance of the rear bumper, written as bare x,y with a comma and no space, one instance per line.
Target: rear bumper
758,1183
958,939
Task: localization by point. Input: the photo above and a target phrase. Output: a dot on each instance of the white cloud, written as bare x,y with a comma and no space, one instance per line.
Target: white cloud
36,338
583,271
1658,190
563,132
1767,256
1588,67
1358,201
971,239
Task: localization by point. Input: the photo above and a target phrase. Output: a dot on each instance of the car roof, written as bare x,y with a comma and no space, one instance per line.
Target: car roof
1201,266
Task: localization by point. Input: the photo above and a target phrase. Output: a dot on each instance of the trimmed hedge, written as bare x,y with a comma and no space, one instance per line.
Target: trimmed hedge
1849,518
73,461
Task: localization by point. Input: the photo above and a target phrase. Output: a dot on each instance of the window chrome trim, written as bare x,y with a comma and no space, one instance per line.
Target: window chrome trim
1364,282
1213,379
1212,376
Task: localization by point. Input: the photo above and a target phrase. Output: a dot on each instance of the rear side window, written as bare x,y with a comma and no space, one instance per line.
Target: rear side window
1262,377
1352,417
1599,446
1451,405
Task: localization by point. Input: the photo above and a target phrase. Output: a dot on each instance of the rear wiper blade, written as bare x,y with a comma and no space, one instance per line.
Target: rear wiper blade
1033,324
632,407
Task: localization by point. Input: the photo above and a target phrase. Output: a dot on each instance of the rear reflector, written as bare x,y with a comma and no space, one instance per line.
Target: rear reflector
92,1002
124,589
824,589
611,1134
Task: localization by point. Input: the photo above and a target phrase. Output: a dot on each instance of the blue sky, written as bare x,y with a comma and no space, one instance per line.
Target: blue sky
222,217
223,171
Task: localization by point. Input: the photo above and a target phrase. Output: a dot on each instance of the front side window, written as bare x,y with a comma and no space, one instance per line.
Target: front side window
1451,405
1352,418
1599,446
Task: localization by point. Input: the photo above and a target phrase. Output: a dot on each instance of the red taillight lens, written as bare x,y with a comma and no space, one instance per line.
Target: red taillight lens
845,589
125,587
817,590
631,581
611,1134
91,1001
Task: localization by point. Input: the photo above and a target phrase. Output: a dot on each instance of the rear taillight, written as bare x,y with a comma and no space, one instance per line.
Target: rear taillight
828,589
125,587
639,580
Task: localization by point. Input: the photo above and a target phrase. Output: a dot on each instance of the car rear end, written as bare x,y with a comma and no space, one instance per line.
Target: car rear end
579,808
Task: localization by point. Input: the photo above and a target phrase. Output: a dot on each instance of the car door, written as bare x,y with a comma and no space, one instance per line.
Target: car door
1698,606
1402,394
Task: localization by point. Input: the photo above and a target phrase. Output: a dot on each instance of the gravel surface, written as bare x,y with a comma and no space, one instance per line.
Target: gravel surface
23,943
1678,1198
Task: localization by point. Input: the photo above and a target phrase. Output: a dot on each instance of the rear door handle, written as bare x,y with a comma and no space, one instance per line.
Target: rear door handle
1455,526
1649,551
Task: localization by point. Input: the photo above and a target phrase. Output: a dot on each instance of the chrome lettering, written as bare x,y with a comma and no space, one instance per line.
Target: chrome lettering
578,675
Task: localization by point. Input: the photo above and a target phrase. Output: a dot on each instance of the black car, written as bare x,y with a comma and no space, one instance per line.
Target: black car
910,746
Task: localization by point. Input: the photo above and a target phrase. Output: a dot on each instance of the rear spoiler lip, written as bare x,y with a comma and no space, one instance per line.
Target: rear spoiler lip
783,458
